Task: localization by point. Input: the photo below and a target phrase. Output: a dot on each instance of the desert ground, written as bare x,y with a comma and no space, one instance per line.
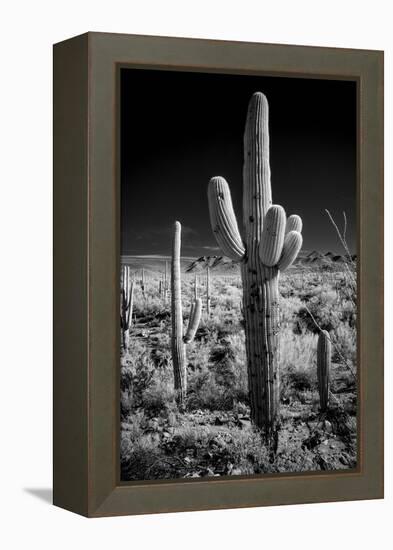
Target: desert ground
213,436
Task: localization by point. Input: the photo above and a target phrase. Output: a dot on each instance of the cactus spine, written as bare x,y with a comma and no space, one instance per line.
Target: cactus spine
126,305
266,250
324,353
178,341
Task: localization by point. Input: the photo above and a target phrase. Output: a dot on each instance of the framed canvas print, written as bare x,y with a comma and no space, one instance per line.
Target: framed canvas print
218,287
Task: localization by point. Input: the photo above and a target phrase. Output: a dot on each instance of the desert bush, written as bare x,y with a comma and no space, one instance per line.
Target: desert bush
159,399
205,393
198,352
297,351
325,314
142,383
289,309
298,371
247,452
190,436
220,380
144,459
344,339
136,377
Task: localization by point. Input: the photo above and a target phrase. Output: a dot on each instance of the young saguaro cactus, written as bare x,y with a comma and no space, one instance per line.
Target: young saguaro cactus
271,244
126,306
324,354
178,340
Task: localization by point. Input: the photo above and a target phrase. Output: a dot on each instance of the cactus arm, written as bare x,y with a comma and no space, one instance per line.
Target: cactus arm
223,219
292,244
191,312
294,223
273,234
324,351
195,317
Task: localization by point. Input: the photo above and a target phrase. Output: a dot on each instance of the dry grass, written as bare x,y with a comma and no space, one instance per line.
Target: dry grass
159,442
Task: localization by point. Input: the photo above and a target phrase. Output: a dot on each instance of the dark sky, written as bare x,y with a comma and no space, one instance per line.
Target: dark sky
178,129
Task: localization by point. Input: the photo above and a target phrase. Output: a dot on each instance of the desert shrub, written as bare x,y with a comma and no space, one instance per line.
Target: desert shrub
289,308
233,452
133,428
150,304
143,383
327,317
298,368
161,352
137,377
198,352
222,324
228,299
297,351
190,436
301,380
205,393
344,339
247,452
348,312
144,459
220,379
230,365
125,404
159,399
343,425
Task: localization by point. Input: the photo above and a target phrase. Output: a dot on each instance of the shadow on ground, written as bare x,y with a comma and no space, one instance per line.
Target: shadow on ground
44,494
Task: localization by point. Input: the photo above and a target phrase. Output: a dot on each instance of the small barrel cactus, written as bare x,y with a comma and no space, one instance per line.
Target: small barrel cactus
178,340
271,244
324,354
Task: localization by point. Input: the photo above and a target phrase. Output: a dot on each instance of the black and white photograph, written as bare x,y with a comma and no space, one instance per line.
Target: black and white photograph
238,290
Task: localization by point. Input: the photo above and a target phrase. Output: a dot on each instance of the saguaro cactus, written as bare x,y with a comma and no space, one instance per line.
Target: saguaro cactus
126,305
208,300
166,282
324,354
178,340
270,245
196,286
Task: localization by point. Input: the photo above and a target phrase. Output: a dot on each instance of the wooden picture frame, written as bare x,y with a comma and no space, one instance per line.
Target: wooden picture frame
86,274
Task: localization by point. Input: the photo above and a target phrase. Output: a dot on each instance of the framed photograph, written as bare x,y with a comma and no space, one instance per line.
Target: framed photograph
218,274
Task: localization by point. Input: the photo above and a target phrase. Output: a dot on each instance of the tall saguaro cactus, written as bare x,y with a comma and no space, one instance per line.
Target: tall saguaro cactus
324,354
271,244
126,305
178,340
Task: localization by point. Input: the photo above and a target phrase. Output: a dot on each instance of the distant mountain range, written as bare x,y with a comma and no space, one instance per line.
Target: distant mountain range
328,259
306,258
